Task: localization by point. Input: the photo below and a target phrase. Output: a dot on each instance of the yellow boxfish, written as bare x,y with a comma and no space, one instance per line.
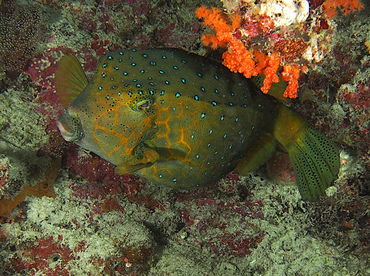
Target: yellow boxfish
184,121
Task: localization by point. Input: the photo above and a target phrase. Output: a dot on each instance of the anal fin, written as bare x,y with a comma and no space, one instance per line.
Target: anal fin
257,155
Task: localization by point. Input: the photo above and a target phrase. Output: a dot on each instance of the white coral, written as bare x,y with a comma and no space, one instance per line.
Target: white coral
282,12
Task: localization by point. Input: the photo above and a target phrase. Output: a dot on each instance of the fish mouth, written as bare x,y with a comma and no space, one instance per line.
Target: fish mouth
70,127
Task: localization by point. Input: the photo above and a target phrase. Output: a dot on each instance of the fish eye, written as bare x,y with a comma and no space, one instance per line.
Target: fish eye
143,104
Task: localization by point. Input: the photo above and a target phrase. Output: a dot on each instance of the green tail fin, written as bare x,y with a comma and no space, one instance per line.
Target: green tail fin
315,162
314,157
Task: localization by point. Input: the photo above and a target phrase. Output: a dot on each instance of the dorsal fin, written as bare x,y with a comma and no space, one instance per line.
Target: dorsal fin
70,79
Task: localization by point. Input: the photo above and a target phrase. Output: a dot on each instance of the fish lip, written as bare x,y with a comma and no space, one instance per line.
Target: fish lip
70,127
67,135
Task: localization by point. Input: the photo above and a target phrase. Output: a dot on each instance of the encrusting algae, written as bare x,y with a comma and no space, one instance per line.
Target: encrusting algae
239,225
43,188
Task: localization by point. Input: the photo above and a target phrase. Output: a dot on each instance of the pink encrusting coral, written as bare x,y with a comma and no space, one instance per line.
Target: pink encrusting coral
355,99
239,242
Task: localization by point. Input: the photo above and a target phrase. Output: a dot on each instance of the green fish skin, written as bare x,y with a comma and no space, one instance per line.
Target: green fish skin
184,121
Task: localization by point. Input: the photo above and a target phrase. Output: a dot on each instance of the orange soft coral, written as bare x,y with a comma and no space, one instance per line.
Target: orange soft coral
346,6
218,22
239,59
270,70
290,74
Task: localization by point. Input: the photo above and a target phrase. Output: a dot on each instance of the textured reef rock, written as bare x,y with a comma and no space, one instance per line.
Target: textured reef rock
95,222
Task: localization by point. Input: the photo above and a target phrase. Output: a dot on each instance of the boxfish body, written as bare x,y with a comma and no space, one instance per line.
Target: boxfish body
184,121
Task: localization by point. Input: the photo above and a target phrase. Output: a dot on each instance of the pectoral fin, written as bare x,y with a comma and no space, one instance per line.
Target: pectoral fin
150,156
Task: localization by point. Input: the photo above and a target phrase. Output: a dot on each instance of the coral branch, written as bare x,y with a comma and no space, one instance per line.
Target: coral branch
239,59
270,71
291,75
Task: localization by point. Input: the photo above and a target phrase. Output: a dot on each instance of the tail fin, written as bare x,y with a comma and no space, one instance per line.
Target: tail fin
314,157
